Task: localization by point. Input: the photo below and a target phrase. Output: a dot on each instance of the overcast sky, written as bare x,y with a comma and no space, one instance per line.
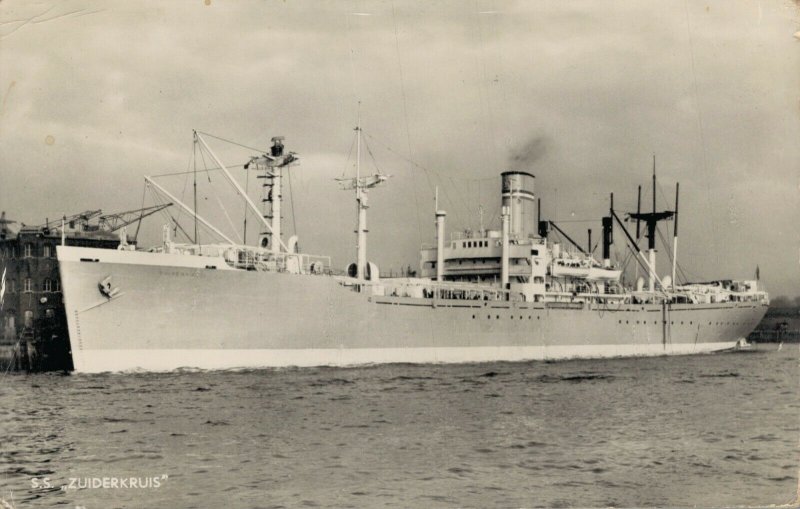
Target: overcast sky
582,94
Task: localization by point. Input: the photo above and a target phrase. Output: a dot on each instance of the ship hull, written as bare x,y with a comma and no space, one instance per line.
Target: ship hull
159,312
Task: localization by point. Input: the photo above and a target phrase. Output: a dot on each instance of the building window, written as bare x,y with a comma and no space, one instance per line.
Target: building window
28,285
46,251
47,285
28,250
56,285
28,318
12,286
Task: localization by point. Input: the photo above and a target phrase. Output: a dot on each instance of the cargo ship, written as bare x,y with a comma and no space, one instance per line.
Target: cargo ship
509,294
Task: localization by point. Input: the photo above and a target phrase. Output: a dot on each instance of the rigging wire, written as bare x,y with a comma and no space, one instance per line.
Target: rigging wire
483,87
263,151
291,193
700,124
405,118
440,176
139,222
205,164
349,155
369,151
179,173
219,202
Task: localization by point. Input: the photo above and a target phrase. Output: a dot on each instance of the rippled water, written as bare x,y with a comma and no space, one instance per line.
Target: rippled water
713,430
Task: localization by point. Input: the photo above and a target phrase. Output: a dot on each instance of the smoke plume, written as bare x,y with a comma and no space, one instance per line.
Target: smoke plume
527,155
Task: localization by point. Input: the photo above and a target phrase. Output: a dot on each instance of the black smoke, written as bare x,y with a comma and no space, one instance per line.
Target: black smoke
527,155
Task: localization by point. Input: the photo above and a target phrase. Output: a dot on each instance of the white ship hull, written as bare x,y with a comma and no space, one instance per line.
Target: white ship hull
171,311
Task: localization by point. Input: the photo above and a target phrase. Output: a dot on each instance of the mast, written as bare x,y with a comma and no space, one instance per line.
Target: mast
651,220
277,195
608,239
638,211
194,165
246,189
675,238
277,162
651,237
361,185
440,215
361,209
638,224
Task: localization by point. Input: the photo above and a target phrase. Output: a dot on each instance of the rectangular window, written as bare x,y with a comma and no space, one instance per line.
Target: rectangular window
28,285
56,286
535,252
46,251
48,285
28,250
12,286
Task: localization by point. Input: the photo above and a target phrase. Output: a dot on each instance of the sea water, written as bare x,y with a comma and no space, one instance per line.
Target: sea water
709,430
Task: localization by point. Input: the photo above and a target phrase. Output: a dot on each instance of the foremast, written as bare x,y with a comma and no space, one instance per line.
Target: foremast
273,165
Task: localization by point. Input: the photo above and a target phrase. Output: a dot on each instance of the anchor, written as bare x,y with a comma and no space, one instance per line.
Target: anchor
106,289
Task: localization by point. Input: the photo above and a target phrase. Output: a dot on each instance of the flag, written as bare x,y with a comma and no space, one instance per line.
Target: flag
2,287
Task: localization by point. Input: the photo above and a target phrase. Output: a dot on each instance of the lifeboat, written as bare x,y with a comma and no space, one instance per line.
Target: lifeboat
603,274
566,267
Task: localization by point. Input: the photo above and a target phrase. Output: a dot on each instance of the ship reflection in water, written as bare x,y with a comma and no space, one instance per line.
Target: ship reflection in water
710,430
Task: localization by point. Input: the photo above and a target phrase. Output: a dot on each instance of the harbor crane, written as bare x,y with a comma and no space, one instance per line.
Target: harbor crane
105,222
